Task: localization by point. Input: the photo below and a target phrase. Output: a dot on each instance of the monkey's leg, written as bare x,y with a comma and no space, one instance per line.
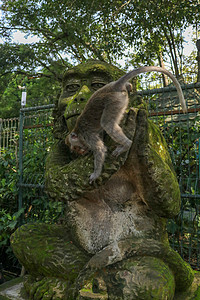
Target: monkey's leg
99,150
116,133
110,120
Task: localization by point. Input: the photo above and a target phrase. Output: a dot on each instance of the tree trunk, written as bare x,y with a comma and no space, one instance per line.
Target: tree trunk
161,63
172,49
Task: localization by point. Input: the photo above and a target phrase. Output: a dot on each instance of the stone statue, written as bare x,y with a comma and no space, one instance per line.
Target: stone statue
113,243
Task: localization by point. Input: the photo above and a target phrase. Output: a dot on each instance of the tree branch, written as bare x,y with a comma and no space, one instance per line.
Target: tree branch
25,73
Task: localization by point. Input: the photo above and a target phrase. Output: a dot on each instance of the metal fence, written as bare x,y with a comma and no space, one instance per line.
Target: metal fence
8,133
183,138
35,139
182,133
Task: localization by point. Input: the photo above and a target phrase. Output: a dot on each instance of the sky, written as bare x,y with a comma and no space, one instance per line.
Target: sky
19,37
189,45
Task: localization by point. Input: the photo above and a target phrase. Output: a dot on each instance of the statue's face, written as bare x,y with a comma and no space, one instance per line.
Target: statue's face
78,86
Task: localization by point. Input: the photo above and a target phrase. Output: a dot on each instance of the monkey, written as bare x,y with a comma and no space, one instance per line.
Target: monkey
104,111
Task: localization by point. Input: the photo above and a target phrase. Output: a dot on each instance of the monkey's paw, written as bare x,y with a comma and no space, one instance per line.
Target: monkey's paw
121,149
93,177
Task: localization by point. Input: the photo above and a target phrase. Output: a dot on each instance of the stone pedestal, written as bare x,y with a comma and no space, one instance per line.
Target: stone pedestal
11,290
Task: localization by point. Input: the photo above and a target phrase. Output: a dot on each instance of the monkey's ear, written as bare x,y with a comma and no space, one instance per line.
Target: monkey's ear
67,140
73,136
129,86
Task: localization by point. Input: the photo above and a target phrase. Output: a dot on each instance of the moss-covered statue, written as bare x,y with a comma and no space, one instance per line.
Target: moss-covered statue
114,243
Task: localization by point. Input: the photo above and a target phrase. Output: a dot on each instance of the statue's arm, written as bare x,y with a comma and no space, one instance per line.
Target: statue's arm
150,160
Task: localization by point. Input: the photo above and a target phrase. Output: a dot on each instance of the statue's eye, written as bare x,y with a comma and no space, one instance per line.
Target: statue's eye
97,85
72,88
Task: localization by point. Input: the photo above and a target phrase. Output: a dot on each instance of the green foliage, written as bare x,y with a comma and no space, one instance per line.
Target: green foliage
144,32
8,181
37,207
158,28
36,144
10,97
36,204
14,56
190,67
183,141
43,210
40,91
107,30
8,224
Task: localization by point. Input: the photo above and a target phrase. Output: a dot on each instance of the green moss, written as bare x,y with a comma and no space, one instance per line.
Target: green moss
193,293
67,175
197,294
183,273
158,142
95,66
146,277
136,101
162,170
47,250
47,288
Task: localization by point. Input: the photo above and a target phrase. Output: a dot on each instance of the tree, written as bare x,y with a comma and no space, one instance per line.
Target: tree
160,24
103,29
144,32
40,91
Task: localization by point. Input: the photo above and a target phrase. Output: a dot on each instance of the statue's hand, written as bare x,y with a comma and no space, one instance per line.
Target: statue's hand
107,256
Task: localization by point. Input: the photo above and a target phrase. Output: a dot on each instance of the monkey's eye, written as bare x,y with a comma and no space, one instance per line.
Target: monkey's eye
97,85
72,88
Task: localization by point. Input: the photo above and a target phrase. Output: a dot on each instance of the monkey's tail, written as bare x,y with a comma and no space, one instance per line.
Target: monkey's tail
145,69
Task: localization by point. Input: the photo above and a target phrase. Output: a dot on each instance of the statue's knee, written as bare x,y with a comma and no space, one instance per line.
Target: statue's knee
142,278
23,234
18,236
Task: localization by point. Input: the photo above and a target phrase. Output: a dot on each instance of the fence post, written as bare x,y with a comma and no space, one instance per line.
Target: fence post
198,59
199,158
21,121
1,125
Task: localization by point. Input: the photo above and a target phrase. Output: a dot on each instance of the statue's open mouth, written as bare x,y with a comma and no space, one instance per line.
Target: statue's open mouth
69,119
70,116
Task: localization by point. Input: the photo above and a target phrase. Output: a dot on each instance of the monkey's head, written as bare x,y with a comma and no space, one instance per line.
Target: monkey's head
79,83
75,144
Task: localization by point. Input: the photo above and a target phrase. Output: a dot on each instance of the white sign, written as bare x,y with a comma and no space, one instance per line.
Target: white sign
23,100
